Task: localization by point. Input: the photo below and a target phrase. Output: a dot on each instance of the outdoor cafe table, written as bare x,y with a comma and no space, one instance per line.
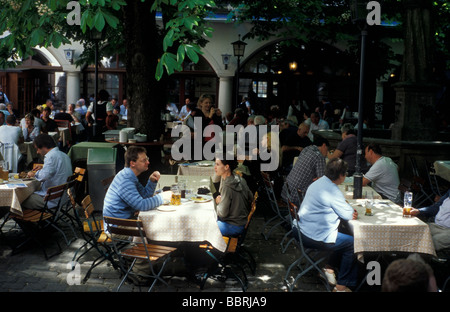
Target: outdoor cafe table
200,168
80,150
188,222
442,169
387,230
13,197
28,149
347,189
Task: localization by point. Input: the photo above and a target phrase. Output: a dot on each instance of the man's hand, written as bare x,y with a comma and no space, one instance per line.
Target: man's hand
166,196
155,176
415,212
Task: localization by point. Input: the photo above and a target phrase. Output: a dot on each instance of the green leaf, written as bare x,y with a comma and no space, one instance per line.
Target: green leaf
111,19
99,21
159,70
192,53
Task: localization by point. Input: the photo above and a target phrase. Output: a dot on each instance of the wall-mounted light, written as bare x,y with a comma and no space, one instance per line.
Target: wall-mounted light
293,66
68,53
226,60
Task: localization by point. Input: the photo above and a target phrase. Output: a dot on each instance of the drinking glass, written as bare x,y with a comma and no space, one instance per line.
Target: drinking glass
407,204
176,195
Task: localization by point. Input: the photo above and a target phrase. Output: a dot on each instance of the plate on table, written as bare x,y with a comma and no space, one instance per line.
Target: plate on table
204,165
201,198
166,208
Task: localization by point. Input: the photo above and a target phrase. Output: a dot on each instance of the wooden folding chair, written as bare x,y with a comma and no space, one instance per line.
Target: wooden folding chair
95,238
36,222
235,255
139,248
309,259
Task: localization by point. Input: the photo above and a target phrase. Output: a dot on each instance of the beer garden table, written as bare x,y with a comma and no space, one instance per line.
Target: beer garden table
189,222
13,197
386,230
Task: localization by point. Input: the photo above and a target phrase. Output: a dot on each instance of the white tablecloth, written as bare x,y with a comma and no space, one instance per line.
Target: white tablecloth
189,222
14,197
388,231
201,168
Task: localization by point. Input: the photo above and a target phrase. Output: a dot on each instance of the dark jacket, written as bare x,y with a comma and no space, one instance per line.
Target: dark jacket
235,201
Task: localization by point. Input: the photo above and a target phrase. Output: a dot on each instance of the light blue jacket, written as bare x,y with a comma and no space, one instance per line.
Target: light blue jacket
321,210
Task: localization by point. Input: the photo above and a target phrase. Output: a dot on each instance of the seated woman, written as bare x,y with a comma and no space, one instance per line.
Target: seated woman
320,213
30,130
233,203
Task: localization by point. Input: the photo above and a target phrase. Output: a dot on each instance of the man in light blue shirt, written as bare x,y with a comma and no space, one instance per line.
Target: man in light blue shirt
55,171
320,213
440,228
126,195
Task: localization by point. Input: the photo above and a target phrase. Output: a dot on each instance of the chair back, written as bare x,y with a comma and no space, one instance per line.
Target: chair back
107,182
252,210
11,153
55,192
125,227
88,209
88,206
79,174
62,123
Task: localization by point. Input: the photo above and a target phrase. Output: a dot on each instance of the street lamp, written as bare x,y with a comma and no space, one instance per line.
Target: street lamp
359,13
68,53
96,36
238,50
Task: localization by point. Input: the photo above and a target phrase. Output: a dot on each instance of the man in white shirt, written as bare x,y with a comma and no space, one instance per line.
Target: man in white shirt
383,174
184,112
55,171
10,133
317,123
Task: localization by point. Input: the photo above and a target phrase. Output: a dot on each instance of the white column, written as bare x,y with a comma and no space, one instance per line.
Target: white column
225,94
72,87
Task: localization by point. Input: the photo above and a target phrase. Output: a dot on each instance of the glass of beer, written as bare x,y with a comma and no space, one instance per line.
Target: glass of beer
407,204
176,196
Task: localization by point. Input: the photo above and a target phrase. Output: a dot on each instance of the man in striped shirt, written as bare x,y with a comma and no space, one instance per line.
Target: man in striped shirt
309,167
126,195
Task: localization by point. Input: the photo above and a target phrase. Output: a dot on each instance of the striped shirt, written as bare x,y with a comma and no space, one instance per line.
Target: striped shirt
126,195
310,165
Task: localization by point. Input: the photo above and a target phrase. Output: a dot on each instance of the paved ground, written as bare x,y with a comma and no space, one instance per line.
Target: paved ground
28,271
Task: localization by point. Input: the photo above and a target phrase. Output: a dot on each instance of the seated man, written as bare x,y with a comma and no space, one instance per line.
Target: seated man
10,133
440,228
126,195
319,217
293,144
55,171
383,174
309,167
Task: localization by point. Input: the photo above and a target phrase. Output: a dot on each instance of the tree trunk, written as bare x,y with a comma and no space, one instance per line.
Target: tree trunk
144,93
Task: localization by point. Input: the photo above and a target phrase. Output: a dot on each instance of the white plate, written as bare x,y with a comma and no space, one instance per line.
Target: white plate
201,198
166,208
204,165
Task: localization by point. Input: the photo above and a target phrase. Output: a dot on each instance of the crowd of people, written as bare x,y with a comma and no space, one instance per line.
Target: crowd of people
308,173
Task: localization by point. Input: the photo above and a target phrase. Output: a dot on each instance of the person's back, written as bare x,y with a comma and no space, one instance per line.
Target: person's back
384,177
10,133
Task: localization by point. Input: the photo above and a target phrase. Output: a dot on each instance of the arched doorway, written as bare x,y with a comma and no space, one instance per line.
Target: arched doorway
291,70
33,82
193,81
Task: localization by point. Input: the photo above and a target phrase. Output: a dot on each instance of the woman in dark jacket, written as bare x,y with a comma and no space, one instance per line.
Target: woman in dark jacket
233,203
